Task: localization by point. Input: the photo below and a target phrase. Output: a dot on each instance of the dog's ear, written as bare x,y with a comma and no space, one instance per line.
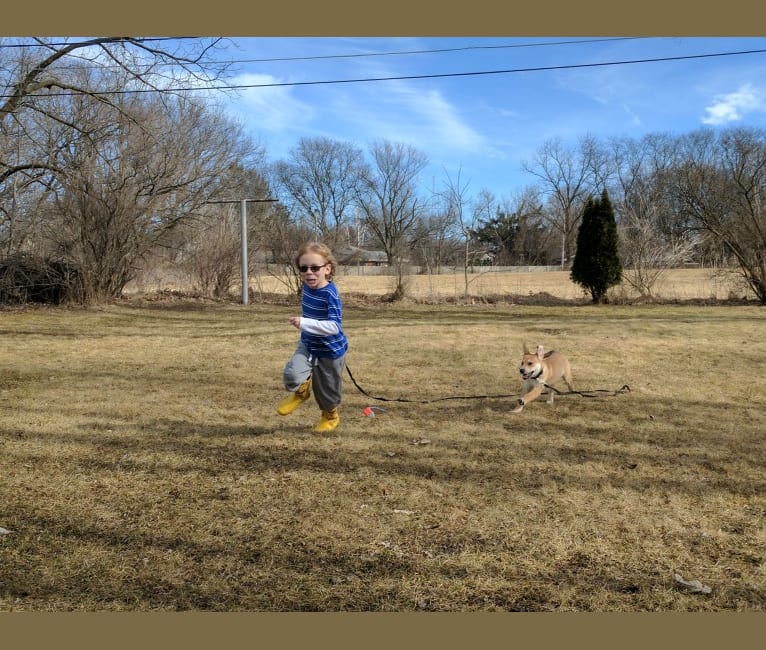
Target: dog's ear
540,352
525,348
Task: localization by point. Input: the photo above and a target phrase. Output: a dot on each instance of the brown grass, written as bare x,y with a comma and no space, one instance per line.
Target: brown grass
691,284
677,285
144,467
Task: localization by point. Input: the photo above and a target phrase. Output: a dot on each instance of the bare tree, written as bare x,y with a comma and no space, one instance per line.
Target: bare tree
649,246
212,243
721,188
88,168
22,205
434,239
389,201
648,255
212,254
484,208
568,177
283,235
41,71
148,171
465,218
320,179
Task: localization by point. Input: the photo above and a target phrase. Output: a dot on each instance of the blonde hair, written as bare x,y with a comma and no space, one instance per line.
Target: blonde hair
319,249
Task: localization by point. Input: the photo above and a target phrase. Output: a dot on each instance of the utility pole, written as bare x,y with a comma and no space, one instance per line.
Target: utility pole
245,270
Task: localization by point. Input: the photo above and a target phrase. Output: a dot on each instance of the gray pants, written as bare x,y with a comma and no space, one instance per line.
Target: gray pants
327,376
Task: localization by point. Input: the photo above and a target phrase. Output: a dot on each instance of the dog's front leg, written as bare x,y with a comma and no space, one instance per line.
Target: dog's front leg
529,396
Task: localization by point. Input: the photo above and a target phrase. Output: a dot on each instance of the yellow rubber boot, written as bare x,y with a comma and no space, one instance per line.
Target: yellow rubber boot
329,421
294,400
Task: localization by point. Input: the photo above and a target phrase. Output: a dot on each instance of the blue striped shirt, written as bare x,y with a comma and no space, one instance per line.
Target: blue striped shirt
324,304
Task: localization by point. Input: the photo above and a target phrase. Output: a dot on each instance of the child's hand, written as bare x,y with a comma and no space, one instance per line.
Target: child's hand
295,321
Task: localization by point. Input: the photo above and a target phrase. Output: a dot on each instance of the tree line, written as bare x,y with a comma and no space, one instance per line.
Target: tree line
107,169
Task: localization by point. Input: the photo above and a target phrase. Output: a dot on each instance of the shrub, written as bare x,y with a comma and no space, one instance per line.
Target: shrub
26,278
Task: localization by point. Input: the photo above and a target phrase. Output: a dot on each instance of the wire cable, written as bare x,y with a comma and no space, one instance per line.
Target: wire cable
412,77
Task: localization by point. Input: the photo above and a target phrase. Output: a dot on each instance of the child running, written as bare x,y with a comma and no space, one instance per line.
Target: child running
319,359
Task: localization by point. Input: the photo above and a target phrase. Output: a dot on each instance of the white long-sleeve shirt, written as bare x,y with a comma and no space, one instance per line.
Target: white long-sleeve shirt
319,327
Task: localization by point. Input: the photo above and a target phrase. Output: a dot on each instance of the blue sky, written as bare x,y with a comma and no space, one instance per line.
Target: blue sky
484,126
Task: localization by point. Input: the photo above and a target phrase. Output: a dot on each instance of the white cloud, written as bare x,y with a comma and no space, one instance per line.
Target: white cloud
396,111
732,107
635,119
269,108
442,118
404,112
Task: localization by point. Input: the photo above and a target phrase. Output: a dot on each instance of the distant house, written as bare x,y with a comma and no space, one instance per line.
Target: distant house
355,256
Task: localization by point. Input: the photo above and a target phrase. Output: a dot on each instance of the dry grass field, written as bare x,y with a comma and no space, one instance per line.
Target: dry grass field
681,285
693,284
145,469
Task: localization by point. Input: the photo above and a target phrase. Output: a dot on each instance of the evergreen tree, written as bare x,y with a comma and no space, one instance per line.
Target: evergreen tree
596,265
500,233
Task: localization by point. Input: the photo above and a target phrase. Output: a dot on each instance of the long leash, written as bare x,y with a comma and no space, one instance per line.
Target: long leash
589,393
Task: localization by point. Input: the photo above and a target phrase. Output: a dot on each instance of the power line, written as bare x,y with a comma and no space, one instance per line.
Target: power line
422,76
464,48
119,39
489,72
508,71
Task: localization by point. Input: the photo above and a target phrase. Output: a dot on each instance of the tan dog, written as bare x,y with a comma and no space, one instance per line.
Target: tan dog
539,369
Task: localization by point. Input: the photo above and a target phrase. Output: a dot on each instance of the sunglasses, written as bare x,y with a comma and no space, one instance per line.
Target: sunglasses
313,268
